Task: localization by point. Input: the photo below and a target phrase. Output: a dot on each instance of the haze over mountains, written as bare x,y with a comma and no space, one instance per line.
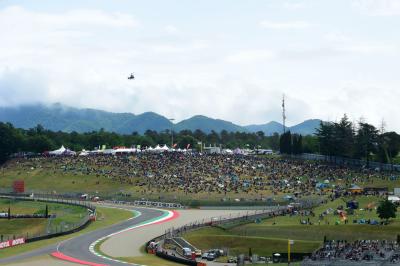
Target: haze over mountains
64,118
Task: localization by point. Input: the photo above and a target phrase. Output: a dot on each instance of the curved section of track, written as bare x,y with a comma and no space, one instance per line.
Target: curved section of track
77,249
82,247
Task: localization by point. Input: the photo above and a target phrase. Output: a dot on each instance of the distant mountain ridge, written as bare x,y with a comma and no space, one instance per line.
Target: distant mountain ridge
58,117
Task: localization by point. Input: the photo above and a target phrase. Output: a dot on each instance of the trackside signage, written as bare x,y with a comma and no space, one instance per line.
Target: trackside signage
12,242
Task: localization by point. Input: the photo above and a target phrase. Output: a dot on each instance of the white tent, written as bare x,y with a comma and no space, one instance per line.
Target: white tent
158,148
165,147
227,151
393,199
125,150
62,151
83,153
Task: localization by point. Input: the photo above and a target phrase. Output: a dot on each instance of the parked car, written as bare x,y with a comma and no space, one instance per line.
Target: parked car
232,260
187,252
211,256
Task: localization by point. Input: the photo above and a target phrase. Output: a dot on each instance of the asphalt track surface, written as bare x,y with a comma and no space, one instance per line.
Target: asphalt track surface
78,247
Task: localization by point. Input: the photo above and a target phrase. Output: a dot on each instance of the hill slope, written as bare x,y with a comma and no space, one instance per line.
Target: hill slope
207,124
307,127
59,117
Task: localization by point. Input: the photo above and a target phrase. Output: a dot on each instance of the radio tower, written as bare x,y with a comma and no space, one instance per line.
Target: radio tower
283,114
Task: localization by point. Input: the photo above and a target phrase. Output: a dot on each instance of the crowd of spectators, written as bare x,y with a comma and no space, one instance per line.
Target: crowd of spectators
361,250
195,172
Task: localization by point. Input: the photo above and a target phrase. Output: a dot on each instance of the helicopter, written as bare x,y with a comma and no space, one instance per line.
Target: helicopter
131,76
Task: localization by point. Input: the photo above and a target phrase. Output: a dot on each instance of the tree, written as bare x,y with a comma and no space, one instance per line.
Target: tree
297,144
39,143
10,141
386,210
344,137
325,135
274,142
285,143
389,147
366,141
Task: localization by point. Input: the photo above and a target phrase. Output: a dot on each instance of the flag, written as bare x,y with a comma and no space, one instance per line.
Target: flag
188,146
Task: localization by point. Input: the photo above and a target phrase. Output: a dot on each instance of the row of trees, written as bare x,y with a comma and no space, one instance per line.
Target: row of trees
291,143
39,139
343,138
359,141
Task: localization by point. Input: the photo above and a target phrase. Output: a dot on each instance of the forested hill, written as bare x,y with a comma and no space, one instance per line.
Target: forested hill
58,117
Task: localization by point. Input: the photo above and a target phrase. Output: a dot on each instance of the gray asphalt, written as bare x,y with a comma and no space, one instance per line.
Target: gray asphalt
78,247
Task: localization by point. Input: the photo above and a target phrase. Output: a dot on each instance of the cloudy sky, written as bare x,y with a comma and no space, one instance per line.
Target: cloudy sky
226,59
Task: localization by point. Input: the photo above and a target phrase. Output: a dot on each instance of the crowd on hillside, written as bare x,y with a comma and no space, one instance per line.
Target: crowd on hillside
361,250
194,172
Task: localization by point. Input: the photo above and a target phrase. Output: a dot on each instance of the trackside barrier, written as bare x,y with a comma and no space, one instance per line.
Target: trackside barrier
54,231
346,161
174,258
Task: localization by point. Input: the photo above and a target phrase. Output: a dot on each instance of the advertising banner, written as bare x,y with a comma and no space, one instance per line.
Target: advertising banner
12,242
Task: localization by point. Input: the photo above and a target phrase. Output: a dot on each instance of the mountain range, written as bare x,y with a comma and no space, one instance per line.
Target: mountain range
64,118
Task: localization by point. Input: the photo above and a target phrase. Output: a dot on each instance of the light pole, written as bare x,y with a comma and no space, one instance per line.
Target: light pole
172,131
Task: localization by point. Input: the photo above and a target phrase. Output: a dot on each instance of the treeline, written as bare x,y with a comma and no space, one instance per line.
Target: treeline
358,141
39,139
343,138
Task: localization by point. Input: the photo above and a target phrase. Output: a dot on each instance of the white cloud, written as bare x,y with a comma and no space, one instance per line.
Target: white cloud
250,56
285,25
24,86
83,57
170,29
336,36
294,5
69,19
378,7
369,48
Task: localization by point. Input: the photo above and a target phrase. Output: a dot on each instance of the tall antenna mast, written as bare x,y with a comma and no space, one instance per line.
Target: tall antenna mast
283,114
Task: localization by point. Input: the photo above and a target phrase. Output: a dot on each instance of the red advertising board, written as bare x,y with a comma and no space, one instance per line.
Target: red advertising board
12,242
19,186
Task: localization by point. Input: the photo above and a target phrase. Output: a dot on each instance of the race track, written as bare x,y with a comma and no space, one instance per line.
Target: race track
78,247
122,240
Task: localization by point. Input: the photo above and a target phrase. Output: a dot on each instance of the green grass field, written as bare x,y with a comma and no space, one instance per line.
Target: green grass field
66,216
271,234
106,217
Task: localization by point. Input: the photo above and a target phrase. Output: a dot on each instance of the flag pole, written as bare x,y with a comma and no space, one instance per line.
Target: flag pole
288,247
